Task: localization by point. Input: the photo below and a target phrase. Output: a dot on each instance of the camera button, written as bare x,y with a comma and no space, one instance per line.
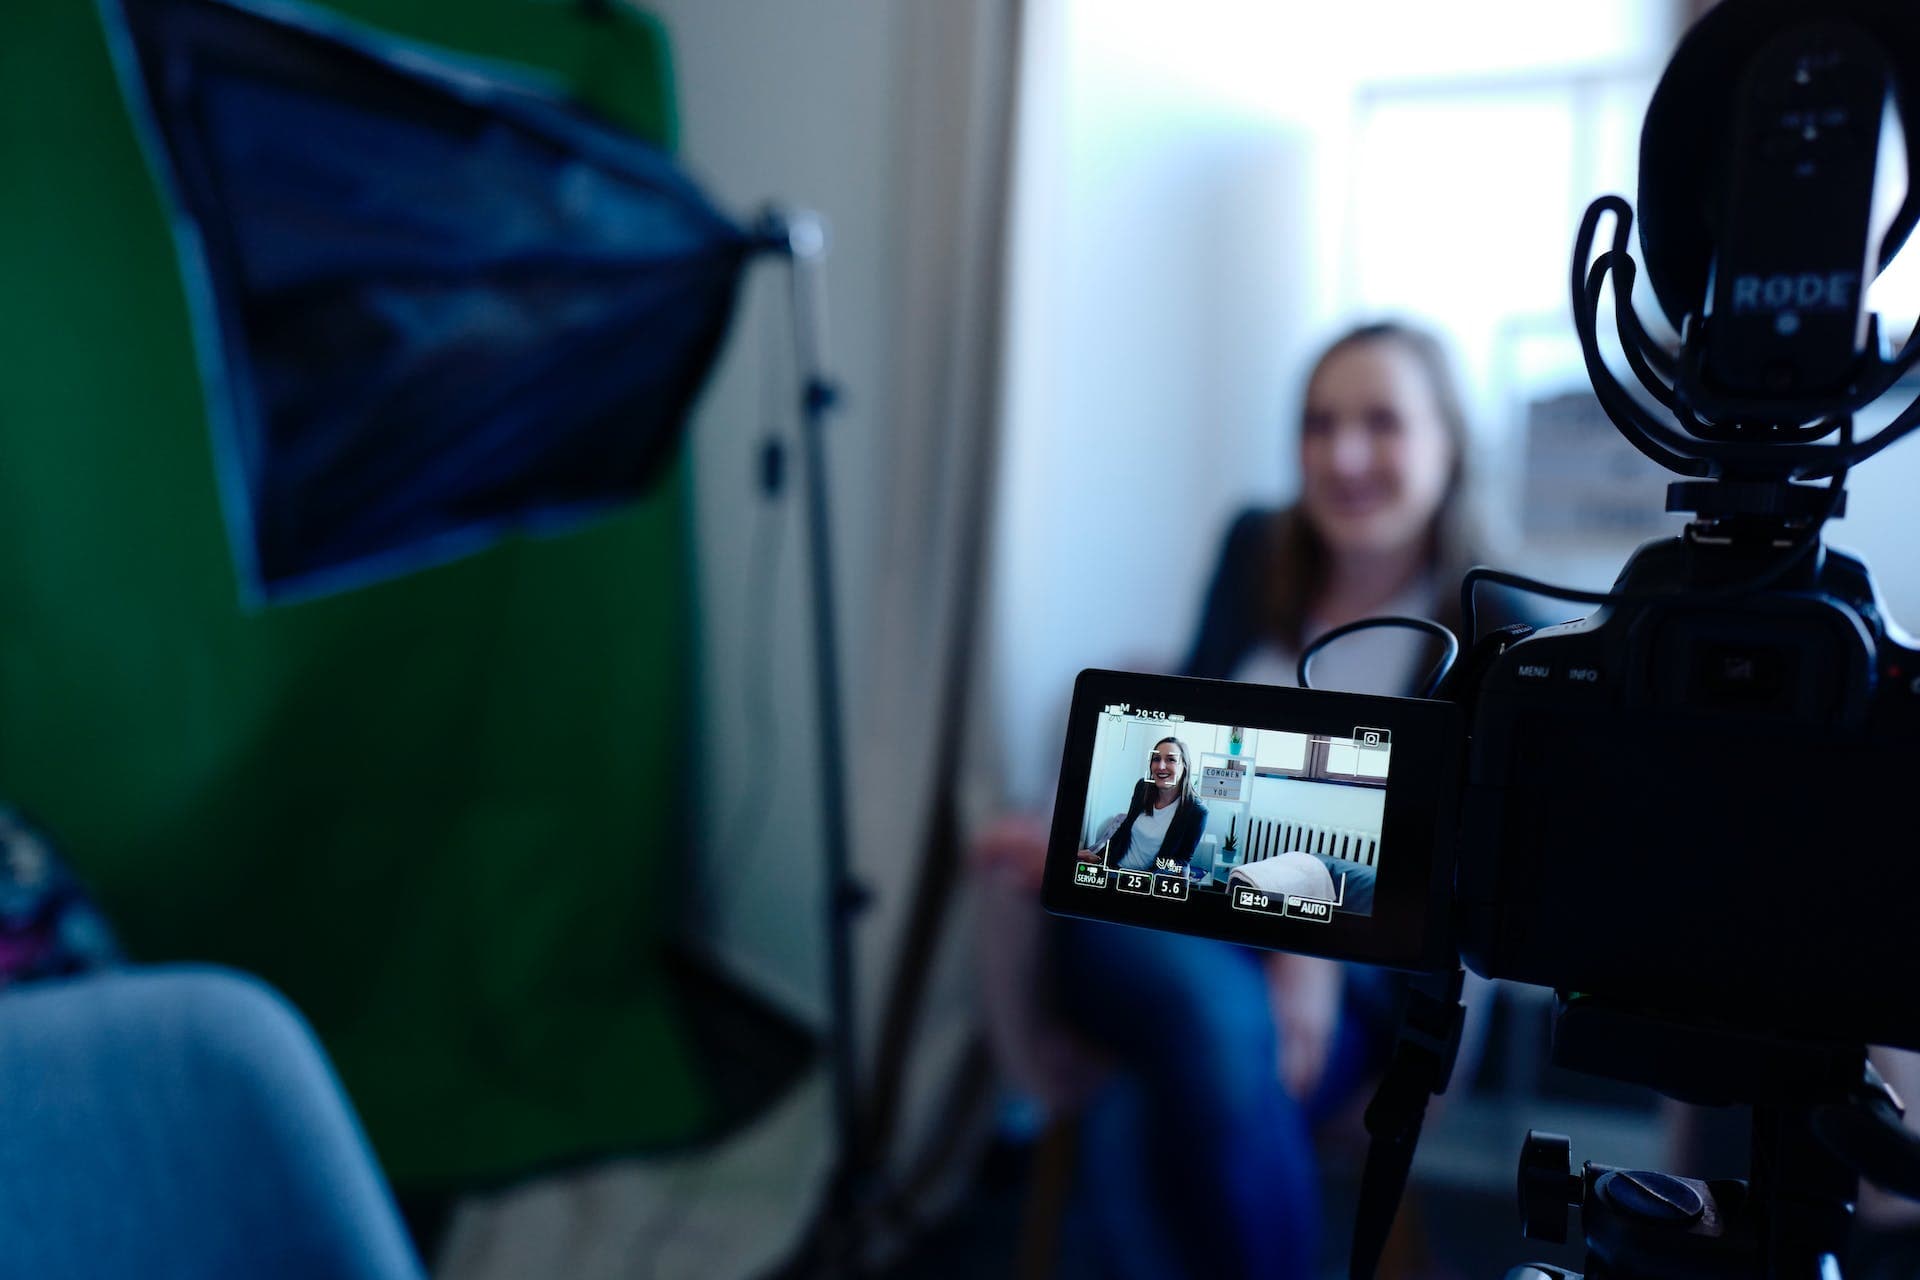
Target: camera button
1533,672
1309,909
1584,675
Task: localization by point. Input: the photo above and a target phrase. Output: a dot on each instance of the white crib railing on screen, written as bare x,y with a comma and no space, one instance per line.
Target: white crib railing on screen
1267,837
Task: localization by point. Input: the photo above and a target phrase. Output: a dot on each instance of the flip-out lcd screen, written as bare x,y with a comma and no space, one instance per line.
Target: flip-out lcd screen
1280,817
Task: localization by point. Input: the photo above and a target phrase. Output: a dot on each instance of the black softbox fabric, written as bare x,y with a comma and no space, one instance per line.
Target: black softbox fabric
433,303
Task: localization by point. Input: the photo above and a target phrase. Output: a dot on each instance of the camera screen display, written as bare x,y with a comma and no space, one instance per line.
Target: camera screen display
1296,819
1280,821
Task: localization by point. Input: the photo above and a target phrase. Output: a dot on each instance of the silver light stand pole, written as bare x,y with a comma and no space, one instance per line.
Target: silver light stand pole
802,238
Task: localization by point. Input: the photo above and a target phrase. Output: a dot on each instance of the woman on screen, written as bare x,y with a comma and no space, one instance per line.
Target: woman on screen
1162,825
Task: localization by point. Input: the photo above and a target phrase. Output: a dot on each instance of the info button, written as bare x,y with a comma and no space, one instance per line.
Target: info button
1583,675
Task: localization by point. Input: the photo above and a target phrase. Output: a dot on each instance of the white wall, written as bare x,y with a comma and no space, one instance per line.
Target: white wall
790,102
1164,284
1119,761
1323,804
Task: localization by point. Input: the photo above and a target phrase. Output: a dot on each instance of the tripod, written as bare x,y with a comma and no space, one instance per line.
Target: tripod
1822,1118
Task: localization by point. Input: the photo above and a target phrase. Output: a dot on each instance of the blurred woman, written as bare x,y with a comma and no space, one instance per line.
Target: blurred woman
1380,525
1265,1045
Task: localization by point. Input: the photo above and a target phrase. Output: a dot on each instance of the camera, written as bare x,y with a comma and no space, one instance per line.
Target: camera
1688,811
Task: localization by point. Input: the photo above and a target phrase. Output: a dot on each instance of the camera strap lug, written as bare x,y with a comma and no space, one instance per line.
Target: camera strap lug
1422,1063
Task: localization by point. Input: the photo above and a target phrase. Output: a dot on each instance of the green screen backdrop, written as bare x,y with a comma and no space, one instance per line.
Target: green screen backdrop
442,814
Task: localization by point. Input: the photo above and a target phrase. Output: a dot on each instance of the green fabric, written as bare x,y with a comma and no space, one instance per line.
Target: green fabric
439,813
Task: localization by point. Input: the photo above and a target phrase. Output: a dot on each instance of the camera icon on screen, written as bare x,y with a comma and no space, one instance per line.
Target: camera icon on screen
1377,739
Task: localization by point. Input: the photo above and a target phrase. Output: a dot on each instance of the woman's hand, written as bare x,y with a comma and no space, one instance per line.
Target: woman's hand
1088,855
1304,992
1014,847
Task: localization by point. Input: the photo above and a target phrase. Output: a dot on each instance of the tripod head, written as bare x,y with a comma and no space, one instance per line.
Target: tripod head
1822,1118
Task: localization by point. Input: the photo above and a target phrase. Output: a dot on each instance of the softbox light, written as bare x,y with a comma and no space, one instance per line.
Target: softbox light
433,304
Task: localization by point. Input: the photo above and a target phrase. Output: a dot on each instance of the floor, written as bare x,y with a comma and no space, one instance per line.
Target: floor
730,1210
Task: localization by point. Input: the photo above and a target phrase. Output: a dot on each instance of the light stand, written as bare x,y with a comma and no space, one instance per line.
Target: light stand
834,1245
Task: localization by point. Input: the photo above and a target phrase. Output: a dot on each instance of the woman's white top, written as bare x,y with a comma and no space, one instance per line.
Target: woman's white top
1385,660
1149,833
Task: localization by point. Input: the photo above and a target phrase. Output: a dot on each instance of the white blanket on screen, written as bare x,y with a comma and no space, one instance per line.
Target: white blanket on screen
1299,874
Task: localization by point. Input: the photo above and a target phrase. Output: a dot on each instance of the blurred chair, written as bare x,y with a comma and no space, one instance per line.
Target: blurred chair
182,1122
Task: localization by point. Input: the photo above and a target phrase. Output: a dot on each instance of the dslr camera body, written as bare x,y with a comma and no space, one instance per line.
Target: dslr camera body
1699,806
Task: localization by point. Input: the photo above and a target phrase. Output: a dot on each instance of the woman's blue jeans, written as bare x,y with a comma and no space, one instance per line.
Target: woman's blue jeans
1197,1161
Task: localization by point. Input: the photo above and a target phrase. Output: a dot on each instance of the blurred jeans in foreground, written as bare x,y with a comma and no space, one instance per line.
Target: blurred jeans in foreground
182,1123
